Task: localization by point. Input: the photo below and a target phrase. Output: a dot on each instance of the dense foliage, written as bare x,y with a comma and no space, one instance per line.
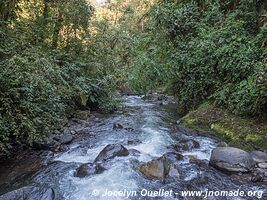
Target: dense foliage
201,50
46,66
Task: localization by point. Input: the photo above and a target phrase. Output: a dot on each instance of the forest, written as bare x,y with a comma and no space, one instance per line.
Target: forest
133,99
57,56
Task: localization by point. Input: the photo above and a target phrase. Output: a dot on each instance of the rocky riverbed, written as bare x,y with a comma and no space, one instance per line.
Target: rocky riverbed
135,151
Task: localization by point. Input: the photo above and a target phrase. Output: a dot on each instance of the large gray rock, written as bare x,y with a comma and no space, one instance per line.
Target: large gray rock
156,169
111,151
30,193
259,156
88,169
231,159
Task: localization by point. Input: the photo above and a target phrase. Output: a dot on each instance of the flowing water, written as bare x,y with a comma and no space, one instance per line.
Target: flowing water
151,124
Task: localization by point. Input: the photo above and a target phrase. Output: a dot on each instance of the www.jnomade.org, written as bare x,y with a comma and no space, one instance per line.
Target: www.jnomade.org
170,193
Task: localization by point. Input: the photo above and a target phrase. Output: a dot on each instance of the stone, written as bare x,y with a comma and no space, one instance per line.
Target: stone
88,170
30,193
259,156
129,129
112,151
173,157
134,152
156,169
257,177
117,126
134,142
231,159
174,172
64,138
186,146
262,165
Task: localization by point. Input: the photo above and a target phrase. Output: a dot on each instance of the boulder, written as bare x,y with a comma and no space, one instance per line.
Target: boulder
156,169
64,138
112,151
30,193
259,156
88,169
231,159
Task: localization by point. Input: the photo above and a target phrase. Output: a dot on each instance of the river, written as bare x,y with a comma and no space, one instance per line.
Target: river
152,135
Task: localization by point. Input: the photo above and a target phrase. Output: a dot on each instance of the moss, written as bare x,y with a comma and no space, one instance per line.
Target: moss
237,131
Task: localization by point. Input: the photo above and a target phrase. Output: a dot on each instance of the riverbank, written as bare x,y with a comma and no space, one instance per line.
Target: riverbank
237,131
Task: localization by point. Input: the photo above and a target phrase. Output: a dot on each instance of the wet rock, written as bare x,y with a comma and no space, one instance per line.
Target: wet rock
64,138
80,122
30,193
259,156
134,152
112,151
129,129
186,146
83,131
174,172
193,159
257,176
135,163
156,169
262,165
88,169
199,162
117,126
73,132
134,142
173,157
231,159
48,157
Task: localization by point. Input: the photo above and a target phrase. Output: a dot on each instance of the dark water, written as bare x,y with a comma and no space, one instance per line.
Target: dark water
151,124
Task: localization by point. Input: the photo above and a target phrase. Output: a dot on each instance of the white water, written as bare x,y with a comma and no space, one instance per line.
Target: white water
120,175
